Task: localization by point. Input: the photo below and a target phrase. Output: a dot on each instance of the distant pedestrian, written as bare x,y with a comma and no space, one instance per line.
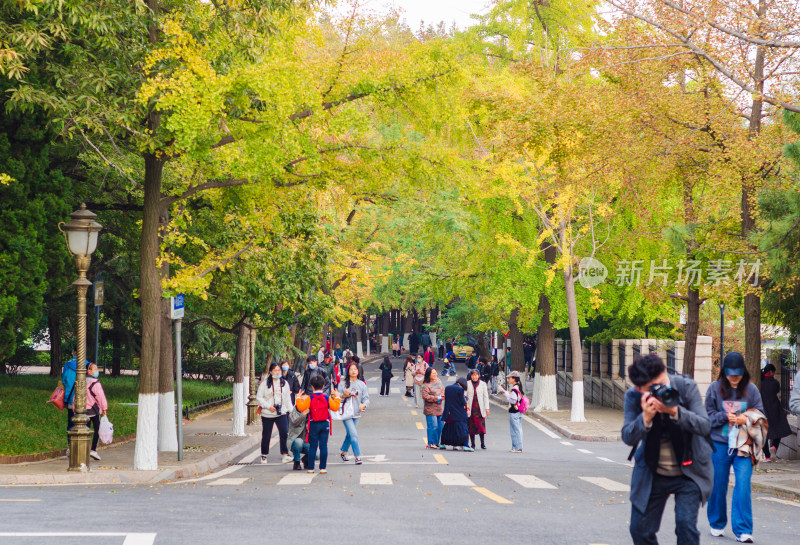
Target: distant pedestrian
332,370
338,354
291,378
96,404
455,432
274,396
408,373
413,343
495,373
319,421
776,416
68,376
298,431
429,357
321,355
514,396
395,348
433,396
313,369
727,399
419,374
386,375
477,408
441,348
347,354
355,400
485,370
794,399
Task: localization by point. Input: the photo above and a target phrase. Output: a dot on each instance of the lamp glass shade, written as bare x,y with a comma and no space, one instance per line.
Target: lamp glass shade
78,242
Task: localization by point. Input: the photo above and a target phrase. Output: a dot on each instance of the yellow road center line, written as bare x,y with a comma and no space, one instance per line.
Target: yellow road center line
413,413
440,459
491,495
420,426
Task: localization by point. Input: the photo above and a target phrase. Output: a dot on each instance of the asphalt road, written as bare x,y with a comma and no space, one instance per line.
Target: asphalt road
556,492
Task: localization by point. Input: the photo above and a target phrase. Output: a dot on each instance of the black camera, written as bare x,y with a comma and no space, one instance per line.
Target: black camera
665,394
278,409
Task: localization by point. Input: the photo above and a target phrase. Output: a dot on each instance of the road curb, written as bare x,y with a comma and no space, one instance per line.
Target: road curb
565,432
782,491
210,463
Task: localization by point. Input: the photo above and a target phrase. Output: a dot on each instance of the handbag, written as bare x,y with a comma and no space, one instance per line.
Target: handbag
106,431
346,410
57,397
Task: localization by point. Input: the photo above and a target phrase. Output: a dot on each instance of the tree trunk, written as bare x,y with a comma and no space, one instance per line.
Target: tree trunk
577,414
544,385
483,349
146,450
240,362
116,339
54,332
693,303
517,350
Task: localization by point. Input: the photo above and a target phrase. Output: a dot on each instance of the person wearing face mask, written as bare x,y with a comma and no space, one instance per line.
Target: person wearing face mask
727,400
96,403
274,396
291,378
419,375
477,407
355,400
312,370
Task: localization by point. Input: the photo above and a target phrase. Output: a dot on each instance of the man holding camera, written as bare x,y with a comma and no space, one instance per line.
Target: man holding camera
667,425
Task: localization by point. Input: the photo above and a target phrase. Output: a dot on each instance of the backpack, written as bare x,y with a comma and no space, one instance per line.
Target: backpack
523,404
319,408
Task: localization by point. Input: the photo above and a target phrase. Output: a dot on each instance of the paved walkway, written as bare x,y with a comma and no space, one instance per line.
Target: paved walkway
780,477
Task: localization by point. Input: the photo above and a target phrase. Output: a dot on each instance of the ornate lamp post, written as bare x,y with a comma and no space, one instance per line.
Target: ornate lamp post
81,235
251,403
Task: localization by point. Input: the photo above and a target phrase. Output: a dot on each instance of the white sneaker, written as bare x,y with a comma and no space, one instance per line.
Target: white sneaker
286,459
263,460
717,533
745,538
94,454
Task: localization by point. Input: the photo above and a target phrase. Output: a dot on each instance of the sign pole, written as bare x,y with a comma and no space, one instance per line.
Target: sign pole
176,313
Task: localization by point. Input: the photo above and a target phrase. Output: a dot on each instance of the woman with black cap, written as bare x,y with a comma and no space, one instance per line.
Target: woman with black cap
776,416
726,401
455,431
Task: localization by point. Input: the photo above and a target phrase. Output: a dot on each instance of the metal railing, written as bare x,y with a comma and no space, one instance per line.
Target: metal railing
788,375
201,406
621,353
671,361
609,358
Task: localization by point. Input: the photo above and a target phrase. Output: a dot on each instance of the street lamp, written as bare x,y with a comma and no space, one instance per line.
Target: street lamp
721,333
81,234
252,404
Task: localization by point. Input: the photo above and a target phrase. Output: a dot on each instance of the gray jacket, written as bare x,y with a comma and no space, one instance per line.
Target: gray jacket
298,422
692,417
794,401
359,394
716,410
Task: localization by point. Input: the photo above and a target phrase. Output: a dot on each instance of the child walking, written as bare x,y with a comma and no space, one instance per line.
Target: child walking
319,421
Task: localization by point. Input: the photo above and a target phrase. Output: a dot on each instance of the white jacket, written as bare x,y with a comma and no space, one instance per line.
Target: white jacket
268,395
483,397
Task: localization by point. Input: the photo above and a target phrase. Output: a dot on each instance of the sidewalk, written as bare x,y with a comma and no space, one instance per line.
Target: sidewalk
779,477
207,446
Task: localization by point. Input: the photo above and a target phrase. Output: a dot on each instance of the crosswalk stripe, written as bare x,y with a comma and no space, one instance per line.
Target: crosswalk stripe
530,481
566,443
608,484
491,495
297,479
584,451
376,478
605,459
453,479
230,481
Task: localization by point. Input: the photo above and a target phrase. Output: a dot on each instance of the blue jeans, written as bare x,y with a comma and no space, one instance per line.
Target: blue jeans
687,504
299,447
318,437
515,423
351,439
741,502
435,426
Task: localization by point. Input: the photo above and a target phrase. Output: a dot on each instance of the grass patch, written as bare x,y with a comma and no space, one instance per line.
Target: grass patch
28,424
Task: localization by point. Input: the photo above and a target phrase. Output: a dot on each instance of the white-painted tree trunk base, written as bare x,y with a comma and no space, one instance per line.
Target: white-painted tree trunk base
360,349
405,339
239,409
433,340
544,393
385,344
145,456
577,414
167,426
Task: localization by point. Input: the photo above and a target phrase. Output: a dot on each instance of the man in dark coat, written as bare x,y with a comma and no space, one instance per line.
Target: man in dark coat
413,343
776,416
313,369
672,452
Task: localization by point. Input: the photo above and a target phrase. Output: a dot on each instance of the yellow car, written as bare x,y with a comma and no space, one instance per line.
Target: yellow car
462,350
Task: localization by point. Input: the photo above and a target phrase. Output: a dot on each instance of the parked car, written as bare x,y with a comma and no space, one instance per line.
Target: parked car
463,349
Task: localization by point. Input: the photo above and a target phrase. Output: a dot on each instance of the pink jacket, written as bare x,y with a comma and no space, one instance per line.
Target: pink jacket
95,395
